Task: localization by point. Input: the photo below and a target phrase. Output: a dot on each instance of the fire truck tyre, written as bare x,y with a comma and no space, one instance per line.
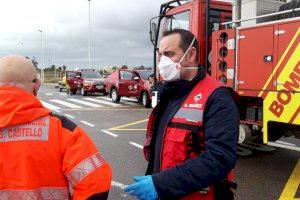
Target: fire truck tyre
83,92
114,96
139,99
145,100
244,133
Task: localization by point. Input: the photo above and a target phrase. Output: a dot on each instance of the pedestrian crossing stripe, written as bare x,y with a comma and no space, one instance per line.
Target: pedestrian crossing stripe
86,103
74,103
102,102
70,105
50,106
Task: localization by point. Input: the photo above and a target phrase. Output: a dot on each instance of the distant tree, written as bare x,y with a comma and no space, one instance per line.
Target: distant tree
52,68
114,68
101,71
64,67
142,67
59,68
124,67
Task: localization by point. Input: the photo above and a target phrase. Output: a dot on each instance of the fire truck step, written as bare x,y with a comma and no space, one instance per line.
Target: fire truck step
258,147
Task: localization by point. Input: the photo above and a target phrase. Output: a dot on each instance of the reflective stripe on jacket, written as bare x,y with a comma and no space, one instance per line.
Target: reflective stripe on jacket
42,154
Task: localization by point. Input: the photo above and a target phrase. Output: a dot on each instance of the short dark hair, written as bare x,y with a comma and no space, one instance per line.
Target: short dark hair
186,39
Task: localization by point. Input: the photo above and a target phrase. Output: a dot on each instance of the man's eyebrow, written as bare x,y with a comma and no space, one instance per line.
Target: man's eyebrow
168,52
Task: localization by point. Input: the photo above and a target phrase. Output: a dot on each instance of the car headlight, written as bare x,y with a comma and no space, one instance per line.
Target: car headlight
87,83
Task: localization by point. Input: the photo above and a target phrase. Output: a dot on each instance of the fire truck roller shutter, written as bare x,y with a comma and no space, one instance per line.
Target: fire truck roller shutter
288,6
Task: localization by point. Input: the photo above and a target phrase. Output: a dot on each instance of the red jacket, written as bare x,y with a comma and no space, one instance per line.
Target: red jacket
42,154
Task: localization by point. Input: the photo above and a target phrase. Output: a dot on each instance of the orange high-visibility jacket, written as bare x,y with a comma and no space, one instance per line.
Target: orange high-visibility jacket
43,155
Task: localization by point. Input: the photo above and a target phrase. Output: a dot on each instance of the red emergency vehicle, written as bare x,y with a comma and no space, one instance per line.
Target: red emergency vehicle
92,81
85,80
130,83
258,57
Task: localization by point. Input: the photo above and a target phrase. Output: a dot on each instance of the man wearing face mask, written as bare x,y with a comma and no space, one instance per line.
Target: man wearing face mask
192,133
43,155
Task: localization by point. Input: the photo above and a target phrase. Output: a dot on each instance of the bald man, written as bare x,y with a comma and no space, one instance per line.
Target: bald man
20,72
42,154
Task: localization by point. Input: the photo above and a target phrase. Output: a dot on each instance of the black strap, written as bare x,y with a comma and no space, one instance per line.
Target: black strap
231,184
190,127
99,196
66,123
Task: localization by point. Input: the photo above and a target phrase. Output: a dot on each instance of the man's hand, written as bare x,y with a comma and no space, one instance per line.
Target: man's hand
143,189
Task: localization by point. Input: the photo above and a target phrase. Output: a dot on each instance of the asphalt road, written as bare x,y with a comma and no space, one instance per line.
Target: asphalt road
119,131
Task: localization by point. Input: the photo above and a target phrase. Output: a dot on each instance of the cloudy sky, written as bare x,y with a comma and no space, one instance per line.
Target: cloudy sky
120,31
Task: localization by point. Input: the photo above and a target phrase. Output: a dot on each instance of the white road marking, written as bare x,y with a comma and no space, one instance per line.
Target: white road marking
70,116
285,143
49,94
106,98
50,106
92,125
57,111
86,103
102,101
119,185
128,102
70,105
136,145
274,144
62,94
129,99
109,133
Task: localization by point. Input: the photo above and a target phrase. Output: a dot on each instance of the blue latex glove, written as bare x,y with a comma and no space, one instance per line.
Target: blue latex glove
143,189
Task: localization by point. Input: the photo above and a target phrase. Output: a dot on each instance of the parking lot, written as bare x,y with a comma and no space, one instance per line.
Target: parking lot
119,132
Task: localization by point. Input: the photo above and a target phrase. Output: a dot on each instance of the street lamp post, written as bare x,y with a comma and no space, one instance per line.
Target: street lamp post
42,56
89,34
22,45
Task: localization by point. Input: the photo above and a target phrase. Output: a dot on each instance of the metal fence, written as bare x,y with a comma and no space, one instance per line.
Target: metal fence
50,76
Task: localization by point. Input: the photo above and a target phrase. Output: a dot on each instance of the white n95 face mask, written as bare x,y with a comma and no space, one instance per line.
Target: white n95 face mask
169,70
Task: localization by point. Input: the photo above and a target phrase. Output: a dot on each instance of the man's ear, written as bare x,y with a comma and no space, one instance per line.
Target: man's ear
36,86
192,55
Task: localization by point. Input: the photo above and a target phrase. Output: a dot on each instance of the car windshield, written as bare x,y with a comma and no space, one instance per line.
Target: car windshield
145,74
91,74
70,74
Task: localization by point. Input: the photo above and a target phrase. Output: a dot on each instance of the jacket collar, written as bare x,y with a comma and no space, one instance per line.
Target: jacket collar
179,88
18,106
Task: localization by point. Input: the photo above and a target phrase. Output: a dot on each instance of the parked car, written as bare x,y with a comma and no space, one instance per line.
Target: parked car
72,81
92,81
130,83
61,85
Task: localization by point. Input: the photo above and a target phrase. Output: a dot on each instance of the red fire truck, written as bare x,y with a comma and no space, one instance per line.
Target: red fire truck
258,57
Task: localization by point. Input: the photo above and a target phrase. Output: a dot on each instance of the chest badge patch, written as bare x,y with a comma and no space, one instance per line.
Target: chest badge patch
198,97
